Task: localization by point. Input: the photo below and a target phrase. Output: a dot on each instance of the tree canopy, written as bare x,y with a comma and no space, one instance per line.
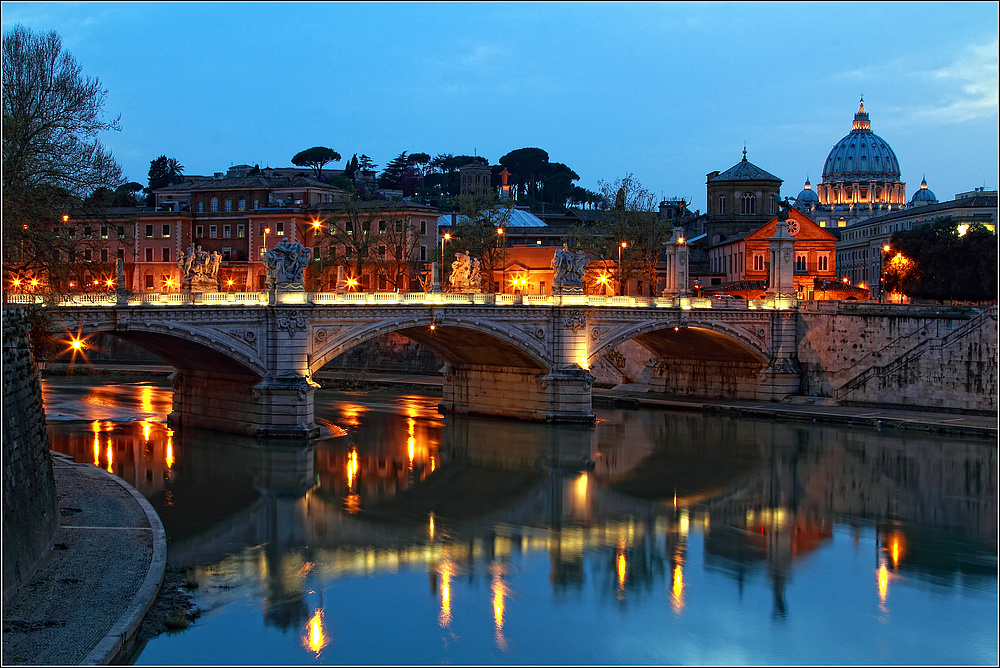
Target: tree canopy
315,158
943,261
52,156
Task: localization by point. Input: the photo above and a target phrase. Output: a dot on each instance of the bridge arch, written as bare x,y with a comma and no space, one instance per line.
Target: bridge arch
186,348
457,340
693,340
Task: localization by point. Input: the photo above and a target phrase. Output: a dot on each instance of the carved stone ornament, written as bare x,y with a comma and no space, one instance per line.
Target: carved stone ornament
595,333
786,255
321,335
539,333
575,321
293,323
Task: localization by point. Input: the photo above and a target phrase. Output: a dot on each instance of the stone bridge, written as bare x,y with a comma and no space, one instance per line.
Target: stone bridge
245,365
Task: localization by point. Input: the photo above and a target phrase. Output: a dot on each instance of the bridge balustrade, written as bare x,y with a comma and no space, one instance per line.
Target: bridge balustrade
409,298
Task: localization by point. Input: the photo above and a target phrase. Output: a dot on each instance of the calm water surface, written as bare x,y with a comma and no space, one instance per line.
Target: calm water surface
652,538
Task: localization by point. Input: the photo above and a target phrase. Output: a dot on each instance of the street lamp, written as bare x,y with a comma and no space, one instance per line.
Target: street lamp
500,240
623,244
445,237
881,280
317,226
267,230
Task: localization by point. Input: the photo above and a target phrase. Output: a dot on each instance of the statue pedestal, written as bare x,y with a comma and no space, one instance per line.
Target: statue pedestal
200,283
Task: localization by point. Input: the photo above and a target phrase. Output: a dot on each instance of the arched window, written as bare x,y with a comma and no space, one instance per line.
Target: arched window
201,207
722,205
214,204
748,204
229,204
242,203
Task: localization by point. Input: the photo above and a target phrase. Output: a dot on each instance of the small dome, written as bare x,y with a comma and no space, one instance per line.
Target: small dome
808,195
861,155
924,194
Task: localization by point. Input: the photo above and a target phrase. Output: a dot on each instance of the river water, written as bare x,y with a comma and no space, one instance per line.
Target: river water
654,537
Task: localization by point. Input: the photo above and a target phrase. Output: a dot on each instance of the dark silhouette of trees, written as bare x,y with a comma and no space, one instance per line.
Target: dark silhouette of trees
939,262
52,156
315,158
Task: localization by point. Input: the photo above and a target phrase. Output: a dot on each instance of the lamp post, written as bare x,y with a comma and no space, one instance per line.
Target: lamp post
622,245
503,267
317,230
881,280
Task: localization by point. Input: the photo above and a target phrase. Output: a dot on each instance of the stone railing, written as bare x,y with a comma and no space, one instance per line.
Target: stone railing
384,298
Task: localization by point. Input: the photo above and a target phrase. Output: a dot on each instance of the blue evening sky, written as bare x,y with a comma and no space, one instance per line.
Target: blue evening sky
667,91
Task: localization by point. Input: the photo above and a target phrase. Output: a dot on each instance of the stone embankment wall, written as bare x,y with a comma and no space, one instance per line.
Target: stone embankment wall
916,356
30,505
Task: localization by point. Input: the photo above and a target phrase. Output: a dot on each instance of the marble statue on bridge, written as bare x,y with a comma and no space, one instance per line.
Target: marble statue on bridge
285,263
569,267
465,273
199,269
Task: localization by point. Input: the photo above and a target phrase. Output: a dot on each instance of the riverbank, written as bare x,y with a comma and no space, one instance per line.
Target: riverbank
85,603
802,409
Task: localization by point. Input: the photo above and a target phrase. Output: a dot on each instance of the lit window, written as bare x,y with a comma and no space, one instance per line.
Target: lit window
280,228
149,231
166,231
241,231
227,231
104,232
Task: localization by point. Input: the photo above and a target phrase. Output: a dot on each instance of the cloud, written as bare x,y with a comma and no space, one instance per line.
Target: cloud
968,86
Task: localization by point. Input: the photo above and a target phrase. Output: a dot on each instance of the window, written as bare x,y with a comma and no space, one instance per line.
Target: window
241,231
381,252
241,204
771,202
104,255
149,281
349,227
120,232
165,255
88,232
263,226
104,232
822,263
214,204
227,253
722,205
256,204
227,231
199,231
381,227
121,253
201,207
262,251
149,231
758,262
279,228
748,204
149,255
213,231
166,231
228,205
423,227
423,253
800,262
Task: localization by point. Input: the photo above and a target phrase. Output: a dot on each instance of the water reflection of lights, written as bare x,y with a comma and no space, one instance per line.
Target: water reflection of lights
895,550
445,571
169,461
352,467
500,592
883,582
145,430
621,565
352,414
96,426
677,588
315,638
111,456
430,528
146,397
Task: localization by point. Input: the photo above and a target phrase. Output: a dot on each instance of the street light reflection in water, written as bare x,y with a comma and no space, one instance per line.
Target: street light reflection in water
679,523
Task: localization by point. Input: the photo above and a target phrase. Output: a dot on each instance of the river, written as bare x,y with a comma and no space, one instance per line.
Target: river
653,537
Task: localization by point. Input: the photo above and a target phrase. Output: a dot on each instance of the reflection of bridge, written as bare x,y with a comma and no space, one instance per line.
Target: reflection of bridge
246,366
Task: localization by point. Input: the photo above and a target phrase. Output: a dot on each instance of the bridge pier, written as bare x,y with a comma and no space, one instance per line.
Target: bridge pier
513,392
279,406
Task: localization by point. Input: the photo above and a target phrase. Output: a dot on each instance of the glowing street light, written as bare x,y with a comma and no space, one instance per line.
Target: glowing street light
623,244
267,230
881,279
500,242
444,238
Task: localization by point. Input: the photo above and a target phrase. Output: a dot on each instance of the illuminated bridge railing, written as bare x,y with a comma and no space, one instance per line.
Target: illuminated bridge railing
223,299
